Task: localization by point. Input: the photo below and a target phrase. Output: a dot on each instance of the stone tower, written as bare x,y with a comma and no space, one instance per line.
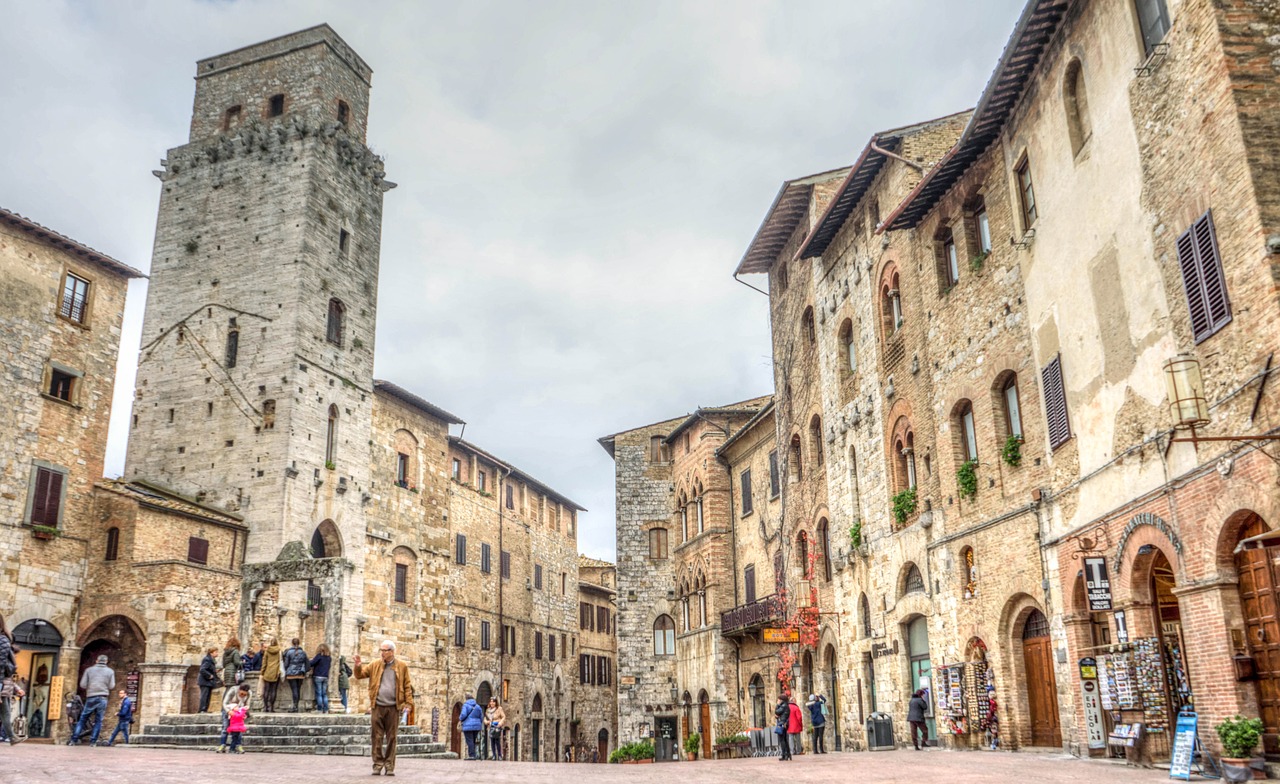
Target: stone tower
254,388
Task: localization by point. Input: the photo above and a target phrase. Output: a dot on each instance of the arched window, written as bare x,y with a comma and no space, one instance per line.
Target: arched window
903,456
1009,405
337,315
815,439
912,581
948,258
405,445
686,621
968,573
802,555
664,636
848,352
698,507
977,227
113,544
782,275
702,601
810,333
824,542
682,512
864,616
326,541
890,302
1076,102
331,438
756,689
268,415
794,472
404,571
965,431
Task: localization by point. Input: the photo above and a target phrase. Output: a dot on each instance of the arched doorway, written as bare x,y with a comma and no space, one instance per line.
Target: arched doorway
1042,691
704,722
1259,574
921,667
807,686
455,729
756,689
484,693
38,644
515,744
326,541
602,746
833,695
536,740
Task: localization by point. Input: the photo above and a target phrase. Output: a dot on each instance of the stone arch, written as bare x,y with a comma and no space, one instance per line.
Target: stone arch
326,540
815,441
128,614
1076,103
1013,619
405,443
1235,513
795,467
911,580
1001,409
1134,569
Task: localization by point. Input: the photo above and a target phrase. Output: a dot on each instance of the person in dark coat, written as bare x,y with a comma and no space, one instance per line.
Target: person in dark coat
295,662
8,669
819,723
124,718
319,667
208,679
782,717
472,720
915,717
344,682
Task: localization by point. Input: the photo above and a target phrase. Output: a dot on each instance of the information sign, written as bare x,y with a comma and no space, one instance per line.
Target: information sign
782,635
1184,745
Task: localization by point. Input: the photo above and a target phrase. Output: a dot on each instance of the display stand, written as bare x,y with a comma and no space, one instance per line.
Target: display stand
1189,753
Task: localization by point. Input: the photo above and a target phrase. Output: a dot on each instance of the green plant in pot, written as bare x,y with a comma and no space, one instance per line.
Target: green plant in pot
691,745
1239,737
967,478
855,534
904,505
1012,452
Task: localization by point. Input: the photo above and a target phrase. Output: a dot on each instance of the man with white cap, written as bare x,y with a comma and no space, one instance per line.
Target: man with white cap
97,682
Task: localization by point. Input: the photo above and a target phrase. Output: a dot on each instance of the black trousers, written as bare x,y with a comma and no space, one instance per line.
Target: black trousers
784,743
923,729
269,689
295,686
205,693
820,739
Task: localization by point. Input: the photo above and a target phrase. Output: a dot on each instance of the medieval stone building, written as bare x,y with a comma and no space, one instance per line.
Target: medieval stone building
273,487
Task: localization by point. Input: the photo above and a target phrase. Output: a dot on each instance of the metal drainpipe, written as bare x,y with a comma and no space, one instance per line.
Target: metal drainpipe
502,628
733,548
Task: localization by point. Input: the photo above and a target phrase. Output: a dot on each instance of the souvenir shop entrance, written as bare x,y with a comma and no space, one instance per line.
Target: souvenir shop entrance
39,643
966,699
921,668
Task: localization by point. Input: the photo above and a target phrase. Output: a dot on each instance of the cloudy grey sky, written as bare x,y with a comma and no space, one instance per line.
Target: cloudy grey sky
578,180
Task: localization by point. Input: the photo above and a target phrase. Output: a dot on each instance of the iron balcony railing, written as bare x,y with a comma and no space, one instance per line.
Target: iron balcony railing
745,617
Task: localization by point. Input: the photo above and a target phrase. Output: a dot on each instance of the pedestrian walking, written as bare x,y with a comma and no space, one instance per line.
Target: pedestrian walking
232,663
389,693
72,709
818,720
124,718
795,727
207,680
495,718
472,719
8,687
344,682
915,717
236,697
270,675
236,718
782,718
294,662
319,667
97,682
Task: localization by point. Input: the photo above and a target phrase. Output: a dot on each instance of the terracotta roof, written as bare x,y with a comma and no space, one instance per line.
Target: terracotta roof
406,396
62,242
1036,26
158,497
751,406
607,441
856,185
752,422
788,209
587,562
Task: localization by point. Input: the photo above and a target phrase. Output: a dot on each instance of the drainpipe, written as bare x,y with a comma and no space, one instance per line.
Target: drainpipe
502,628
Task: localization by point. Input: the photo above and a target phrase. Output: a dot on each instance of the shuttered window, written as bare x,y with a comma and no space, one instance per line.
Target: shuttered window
402,583
460,631
46,498
460,550
485,558
749,583
1202,278
484,636
537,645
1055,403
198,550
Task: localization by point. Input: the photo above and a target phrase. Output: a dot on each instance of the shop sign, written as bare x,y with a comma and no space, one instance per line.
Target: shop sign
782,635
55,705
1122,626
880,650
1090,699
1139,520
131,685
627,680
1097,584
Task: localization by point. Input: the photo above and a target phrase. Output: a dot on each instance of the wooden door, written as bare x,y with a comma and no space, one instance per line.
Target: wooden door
602,746
1259,573
1042,690
704,719
455,730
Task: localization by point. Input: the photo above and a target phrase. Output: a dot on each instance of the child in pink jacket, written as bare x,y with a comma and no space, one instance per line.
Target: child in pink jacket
235,726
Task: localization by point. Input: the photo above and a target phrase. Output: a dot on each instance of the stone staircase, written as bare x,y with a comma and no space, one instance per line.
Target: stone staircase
287,733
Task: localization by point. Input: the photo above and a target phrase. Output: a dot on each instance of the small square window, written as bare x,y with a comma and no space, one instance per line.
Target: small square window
62,385
344,112
344,241
275,106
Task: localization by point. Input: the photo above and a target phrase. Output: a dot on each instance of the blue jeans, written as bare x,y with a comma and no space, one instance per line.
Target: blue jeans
470,735
235,740
122,728
342,695
96,707
322,694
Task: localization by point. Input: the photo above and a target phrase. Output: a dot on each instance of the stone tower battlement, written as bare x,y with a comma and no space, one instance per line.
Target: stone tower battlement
311,72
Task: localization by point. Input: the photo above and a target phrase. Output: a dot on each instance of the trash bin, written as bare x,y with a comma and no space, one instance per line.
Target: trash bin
880,732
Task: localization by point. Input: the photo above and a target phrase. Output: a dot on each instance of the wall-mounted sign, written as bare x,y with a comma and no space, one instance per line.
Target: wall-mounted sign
781,635
1122,627
627,680
1097,584
879,650
1091,700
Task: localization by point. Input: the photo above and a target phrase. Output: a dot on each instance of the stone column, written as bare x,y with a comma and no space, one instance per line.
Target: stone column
254,681
161,695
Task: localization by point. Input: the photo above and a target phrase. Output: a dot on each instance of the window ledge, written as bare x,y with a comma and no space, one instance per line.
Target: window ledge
747,514
78,324
58,400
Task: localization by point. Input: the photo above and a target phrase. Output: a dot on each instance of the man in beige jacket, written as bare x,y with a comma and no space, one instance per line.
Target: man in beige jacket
389,694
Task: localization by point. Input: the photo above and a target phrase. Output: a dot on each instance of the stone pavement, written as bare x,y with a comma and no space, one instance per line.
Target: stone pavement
31,762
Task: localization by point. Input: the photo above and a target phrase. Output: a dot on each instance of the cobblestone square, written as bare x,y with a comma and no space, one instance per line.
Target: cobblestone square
39,763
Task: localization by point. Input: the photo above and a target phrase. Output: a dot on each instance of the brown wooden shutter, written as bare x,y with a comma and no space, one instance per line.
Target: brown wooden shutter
198,550
40,497
1055,403
1202,278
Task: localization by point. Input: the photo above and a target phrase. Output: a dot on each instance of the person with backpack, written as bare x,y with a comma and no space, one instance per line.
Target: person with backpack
295,662
818,720
344,682
916,710
472,720
124,718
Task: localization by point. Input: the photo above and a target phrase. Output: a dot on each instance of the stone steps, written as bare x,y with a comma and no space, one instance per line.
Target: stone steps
287,733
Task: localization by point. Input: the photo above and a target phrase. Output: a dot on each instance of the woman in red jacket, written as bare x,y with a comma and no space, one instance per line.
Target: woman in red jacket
795,728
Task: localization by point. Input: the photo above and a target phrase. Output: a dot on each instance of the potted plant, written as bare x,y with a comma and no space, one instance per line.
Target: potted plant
691,745
44,531
642,752
967,479
904,505
1012,452
1239,738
